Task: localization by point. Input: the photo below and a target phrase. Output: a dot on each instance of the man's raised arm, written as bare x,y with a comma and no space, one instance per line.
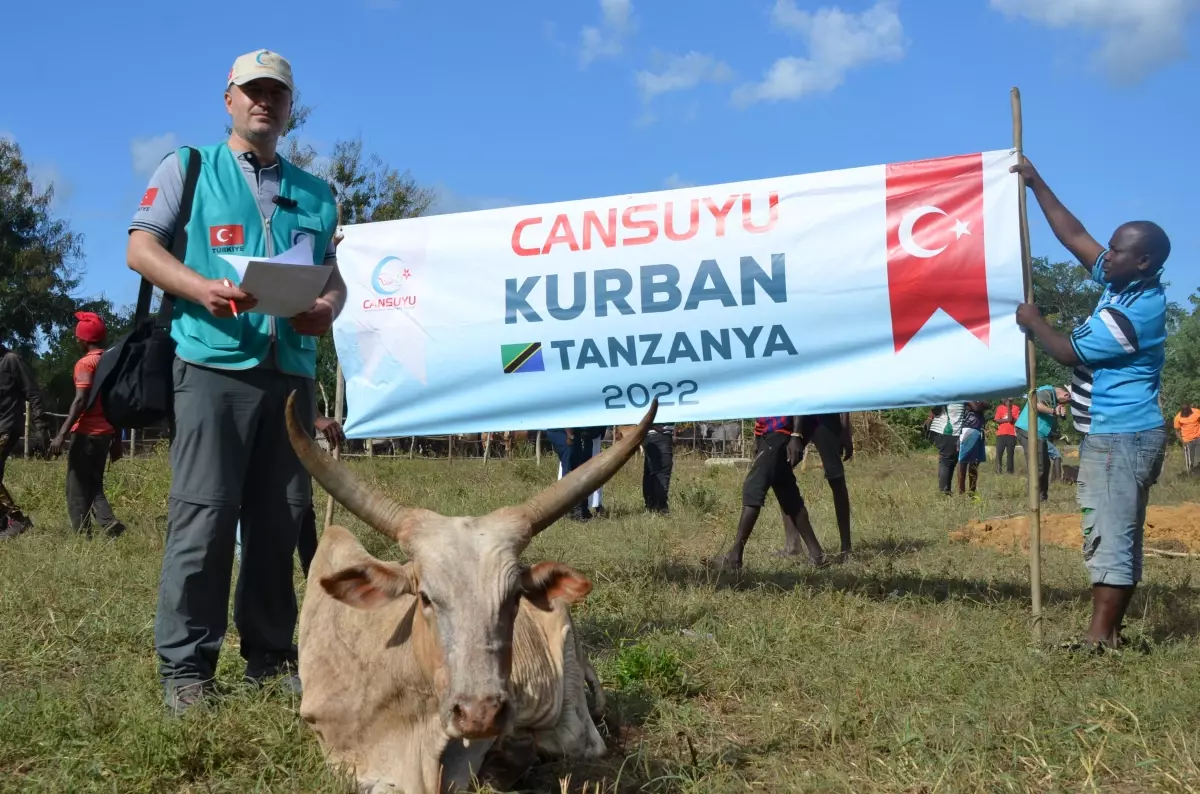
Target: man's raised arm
1066,227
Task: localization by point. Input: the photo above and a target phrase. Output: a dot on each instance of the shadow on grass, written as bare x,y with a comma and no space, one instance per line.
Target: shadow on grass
604,633
891,547
1173,608
626,767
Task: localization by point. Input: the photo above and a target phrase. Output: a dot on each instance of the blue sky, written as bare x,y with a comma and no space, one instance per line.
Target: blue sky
531,101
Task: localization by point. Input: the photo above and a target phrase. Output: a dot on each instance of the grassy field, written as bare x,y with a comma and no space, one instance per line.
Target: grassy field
910,669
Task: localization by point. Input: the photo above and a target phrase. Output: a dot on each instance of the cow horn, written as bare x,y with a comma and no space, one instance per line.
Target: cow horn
379,512
546,507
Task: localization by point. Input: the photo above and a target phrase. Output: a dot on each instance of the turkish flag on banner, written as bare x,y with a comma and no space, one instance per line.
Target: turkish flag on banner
935,245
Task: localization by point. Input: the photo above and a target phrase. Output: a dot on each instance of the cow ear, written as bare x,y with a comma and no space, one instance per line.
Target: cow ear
370,584
552,580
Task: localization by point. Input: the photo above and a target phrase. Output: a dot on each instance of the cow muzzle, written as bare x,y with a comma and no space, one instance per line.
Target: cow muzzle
478,716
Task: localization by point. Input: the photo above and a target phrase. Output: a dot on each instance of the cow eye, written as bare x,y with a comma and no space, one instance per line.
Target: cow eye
425,600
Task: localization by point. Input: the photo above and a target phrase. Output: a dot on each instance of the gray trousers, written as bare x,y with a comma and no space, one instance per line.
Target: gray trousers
230,460
86,459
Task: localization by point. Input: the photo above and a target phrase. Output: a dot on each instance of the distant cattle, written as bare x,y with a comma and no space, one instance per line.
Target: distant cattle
412,671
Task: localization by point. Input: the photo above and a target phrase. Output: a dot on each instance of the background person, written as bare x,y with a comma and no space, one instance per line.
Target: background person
575,447
944,425
658,449
1051,405
971,447
1006,433
831,434
17,386
230,457
93,439
1187,430
778,448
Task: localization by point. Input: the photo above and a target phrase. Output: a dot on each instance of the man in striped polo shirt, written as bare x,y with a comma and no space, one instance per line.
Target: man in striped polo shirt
1117,355
778,448
944,427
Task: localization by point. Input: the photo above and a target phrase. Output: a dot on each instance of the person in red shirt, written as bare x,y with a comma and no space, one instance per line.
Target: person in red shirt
93,439
778,448
1006,433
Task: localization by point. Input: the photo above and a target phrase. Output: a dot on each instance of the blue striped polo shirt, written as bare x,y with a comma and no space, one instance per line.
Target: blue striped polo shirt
1121,349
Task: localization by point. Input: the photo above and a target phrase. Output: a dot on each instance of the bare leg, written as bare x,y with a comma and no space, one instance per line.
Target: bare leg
973,471
796,529
732,559
962,478
1108,611
841,506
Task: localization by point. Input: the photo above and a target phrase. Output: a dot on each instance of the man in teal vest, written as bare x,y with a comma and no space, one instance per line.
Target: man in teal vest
234,369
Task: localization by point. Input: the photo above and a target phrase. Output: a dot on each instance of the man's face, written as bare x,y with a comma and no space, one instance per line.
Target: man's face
1063,396
259,109
1124,261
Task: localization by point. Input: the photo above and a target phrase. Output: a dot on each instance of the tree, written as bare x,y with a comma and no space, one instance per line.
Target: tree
1181,372
1066,296
38,257
368,190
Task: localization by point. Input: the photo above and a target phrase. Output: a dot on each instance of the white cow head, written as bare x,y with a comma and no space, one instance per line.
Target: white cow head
466,571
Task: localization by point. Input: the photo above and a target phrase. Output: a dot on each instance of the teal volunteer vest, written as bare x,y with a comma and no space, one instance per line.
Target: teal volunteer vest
226,220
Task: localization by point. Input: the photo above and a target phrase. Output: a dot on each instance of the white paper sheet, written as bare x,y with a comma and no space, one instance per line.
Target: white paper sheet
284,290
286,284
298,254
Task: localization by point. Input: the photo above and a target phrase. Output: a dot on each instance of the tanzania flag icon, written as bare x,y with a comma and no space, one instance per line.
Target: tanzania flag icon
525,357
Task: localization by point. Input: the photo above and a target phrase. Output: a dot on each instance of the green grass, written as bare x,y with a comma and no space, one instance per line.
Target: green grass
910,669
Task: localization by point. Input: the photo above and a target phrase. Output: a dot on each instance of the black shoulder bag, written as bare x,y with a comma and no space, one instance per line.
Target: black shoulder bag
134,377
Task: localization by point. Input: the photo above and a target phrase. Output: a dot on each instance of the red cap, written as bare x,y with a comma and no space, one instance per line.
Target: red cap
90,327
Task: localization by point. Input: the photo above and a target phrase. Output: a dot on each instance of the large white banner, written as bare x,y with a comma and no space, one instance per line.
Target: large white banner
866,288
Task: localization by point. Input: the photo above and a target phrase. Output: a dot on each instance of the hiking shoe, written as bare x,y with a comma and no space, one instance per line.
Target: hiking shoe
183,696
286,683
115,529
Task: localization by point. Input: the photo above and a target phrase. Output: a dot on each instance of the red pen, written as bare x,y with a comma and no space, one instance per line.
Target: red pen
232,305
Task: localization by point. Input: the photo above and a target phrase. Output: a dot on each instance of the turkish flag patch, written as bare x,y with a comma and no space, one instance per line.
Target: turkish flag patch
148,197
935,245
221,236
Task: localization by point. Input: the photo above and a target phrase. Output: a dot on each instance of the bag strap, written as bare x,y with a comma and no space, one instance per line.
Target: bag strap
178,245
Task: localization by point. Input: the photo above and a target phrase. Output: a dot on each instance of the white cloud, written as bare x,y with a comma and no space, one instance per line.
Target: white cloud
607,40
837,42
1137,36
683,72
45,175
450,201
674,181
147,153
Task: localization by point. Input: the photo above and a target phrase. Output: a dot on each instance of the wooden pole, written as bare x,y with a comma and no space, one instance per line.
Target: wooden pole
339,398
28,427
1031,455
537,449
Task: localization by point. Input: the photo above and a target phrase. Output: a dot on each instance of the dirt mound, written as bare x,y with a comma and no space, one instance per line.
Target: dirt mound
1174,528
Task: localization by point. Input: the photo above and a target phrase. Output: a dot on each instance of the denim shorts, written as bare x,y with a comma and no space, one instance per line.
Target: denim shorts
1116,471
